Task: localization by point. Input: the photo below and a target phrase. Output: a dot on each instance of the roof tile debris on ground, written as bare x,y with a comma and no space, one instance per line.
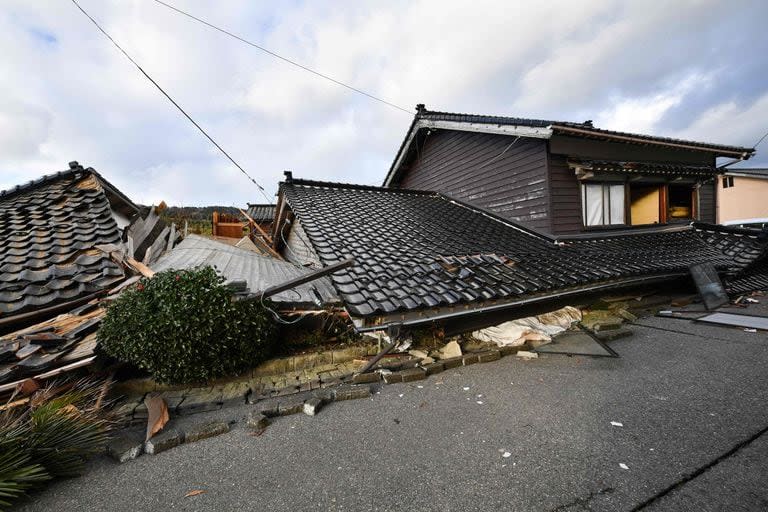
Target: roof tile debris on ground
418,251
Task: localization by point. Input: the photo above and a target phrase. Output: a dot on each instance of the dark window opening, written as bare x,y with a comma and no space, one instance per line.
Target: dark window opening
681,202
727,181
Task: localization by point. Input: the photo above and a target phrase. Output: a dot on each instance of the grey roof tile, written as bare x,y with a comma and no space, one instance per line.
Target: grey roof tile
406,243
48,232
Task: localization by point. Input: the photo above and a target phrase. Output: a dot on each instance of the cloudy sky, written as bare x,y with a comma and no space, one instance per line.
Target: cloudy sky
692,69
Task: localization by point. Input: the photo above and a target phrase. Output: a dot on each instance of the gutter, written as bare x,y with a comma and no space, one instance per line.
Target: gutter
523,302
744,154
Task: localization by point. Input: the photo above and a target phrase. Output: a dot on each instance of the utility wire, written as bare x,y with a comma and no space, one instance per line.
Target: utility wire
261,189
284,59
759,141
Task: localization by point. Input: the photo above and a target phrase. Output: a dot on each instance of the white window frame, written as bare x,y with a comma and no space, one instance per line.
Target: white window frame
608,213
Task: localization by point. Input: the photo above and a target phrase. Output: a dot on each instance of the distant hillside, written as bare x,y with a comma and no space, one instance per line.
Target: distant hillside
197,212
198,218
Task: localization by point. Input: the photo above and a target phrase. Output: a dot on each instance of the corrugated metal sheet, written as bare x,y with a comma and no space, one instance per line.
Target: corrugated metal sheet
234,264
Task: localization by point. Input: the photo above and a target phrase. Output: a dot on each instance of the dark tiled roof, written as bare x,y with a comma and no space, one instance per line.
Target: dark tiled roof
48,232
419,250
261,212
586,126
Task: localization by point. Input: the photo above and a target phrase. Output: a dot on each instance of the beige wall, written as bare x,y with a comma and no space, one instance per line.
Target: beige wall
644,207
746,199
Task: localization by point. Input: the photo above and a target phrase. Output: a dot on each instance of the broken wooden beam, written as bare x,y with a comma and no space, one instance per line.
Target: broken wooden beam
274,290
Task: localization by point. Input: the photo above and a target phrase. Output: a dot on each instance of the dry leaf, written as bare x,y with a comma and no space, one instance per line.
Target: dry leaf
194,493
27,387
157,414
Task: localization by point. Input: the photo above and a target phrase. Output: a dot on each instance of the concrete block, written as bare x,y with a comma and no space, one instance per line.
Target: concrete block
391,378
290,406
469,359
351,392
364,378
125,446
511,350
433,368
205,430
488,356
256,420
453,362
163,441
613,334
313,406
413,374
525,354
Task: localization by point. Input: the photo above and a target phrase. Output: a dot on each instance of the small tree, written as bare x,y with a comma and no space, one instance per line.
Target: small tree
184,326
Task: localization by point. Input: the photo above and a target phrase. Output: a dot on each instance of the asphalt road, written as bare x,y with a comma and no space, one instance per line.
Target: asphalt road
507,435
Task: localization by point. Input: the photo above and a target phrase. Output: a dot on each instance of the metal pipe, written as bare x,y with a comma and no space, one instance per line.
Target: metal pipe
273,290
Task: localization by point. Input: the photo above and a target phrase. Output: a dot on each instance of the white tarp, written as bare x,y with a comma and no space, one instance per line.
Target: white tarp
532,328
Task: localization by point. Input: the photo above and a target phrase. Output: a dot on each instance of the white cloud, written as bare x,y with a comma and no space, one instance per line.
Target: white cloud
68,94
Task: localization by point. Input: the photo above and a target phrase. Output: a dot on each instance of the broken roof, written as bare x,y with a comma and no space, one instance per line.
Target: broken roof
424,252
49,230
261,213
236,264
544,129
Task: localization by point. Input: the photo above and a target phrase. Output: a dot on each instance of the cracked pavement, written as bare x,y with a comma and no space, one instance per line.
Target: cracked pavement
525,435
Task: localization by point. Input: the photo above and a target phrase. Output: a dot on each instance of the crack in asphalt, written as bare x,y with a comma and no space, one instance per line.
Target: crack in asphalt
701,470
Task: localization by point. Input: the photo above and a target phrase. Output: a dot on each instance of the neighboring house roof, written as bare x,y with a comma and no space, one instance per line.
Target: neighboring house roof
761,174
236,264
261,213
49,230
544,129
419,251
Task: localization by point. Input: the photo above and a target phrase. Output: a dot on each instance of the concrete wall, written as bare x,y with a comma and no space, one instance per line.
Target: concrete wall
746,199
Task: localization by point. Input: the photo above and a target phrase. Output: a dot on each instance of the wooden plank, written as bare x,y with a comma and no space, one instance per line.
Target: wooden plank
156,249
171,237
140,267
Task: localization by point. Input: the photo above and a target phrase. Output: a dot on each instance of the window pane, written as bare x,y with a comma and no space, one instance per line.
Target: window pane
593,205
617,204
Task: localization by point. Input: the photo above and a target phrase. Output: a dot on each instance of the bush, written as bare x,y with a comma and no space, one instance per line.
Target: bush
50,437
184,326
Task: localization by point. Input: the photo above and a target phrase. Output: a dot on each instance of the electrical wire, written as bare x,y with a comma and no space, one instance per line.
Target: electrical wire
239,167
489,162
284,59
759,141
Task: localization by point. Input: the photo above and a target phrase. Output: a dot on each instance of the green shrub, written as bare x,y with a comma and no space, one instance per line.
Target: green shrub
51,436
183,326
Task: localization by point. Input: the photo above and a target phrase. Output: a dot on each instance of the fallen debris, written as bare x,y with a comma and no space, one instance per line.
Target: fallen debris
205,430
450,350
576,343
164,441
157,414
195,492
525,354
734,320
532,329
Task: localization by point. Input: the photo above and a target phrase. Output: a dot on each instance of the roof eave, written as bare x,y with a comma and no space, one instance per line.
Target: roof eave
719,150
420,123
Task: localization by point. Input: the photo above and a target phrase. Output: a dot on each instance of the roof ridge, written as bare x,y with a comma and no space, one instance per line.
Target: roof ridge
354,186
74,169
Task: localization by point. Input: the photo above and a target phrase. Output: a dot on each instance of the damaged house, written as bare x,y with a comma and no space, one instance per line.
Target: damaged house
423,256
557,177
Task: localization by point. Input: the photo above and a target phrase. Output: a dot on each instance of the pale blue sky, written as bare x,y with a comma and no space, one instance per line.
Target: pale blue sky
693,69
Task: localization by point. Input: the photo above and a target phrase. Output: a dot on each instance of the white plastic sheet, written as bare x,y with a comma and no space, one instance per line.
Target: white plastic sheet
532,328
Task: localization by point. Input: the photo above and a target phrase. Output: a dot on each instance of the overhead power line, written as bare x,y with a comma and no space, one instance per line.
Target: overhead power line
284,59
240,168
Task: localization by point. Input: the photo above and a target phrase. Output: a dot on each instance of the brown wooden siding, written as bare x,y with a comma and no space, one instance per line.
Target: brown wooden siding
484,170
707,202
564,196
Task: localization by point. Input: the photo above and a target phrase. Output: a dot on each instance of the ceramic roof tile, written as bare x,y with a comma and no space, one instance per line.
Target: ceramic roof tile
48,232
416,250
